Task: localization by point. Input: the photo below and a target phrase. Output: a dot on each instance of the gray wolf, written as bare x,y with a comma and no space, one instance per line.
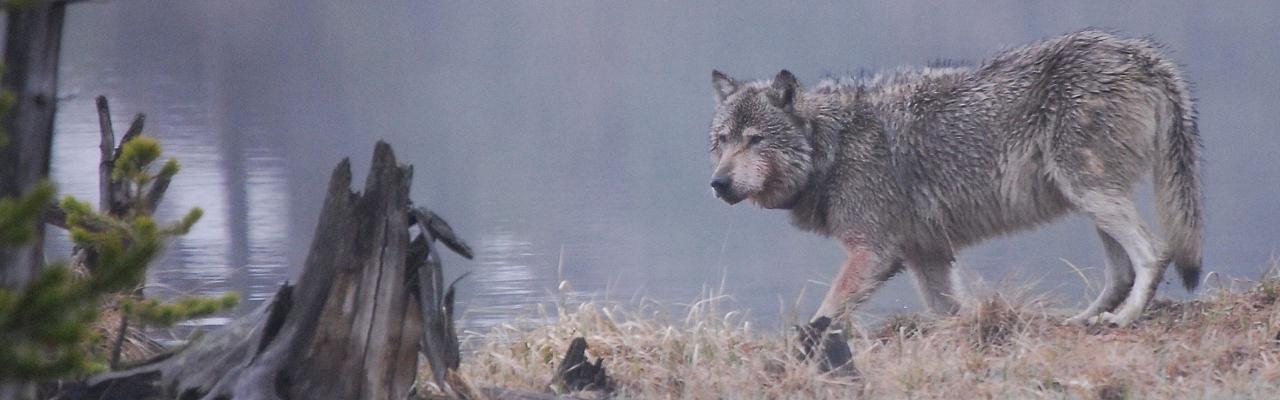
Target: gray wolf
907,168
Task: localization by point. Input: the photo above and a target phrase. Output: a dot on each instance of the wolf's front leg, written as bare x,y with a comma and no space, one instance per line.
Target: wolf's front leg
864,271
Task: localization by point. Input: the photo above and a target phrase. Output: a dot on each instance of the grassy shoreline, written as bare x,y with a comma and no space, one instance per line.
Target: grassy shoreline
1224,344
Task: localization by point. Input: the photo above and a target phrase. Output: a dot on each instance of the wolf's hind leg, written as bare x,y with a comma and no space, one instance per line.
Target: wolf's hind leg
1115,215
1119,281
937,284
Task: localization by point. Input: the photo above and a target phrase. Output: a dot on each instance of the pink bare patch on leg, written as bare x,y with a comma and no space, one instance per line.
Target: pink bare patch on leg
852,275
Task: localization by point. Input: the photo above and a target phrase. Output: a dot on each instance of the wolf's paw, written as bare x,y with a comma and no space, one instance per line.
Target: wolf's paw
810,336
1079,320
1094,321
830,347
1120,320
1086,318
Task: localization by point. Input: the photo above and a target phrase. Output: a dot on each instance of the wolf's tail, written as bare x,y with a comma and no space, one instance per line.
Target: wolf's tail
1177,178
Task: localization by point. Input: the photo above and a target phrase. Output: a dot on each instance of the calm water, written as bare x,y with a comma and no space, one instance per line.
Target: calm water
569,138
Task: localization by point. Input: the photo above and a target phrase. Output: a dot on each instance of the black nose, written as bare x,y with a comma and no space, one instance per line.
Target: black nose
721,183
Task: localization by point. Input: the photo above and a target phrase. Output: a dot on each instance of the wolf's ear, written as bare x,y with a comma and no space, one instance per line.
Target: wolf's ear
723,84
783,91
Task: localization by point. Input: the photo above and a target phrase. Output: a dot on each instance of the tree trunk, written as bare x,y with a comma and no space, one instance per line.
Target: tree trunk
32,38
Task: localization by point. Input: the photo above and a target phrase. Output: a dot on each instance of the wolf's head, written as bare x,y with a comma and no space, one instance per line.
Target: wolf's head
759,145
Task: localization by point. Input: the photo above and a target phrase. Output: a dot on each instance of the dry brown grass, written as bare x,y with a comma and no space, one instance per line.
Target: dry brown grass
137,346
1224,345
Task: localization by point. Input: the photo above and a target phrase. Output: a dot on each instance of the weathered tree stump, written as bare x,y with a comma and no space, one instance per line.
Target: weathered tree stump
349,329
368,301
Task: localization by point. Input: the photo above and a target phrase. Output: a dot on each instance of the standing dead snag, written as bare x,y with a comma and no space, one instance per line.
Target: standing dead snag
113,194
349,328
127,191
114,199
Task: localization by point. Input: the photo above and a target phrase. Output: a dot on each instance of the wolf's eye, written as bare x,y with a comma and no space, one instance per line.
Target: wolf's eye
755,140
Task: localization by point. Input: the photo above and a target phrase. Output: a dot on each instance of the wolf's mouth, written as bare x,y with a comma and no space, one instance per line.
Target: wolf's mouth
731,198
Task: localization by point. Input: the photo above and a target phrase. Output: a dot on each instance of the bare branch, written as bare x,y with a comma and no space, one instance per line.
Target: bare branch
107,155
120,196
54,215
438,229
119,343
156,193
135,129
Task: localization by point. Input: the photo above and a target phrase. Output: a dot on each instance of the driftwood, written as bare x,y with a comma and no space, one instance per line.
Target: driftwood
349,328
576,372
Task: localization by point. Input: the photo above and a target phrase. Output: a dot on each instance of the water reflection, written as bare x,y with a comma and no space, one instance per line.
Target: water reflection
268,223
241,241
507,283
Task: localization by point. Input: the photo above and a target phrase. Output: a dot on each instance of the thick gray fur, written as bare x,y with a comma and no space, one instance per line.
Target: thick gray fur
907,168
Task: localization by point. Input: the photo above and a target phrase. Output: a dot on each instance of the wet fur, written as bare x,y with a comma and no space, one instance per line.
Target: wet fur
914,165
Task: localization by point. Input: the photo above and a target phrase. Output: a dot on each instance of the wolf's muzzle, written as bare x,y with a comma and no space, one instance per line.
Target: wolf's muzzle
723,186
